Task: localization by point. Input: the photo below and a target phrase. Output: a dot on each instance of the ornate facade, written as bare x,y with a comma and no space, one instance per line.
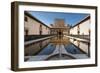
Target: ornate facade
59,28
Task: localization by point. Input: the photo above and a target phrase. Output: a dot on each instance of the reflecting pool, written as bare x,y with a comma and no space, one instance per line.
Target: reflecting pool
56,48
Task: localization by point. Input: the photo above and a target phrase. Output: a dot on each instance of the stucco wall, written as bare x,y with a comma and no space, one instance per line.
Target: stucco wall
45,30
73,31
33,27
84,28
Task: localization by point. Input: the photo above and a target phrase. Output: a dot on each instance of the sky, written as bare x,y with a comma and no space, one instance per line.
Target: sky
49,17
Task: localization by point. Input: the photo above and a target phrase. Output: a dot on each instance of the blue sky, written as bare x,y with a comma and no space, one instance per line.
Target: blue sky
49,17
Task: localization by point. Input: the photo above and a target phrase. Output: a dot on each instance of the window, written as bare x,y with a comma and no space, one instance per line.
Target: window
26,32
26,19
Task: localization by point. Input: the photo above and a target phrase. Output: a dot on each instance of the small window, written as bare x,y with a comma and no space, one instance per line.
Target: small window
26,32
26,19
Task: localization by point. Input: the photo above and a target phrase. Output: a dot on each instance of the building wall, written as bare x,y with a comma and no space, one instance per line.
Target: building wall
74,30
46,30
33,27
59,23
59,26
84,28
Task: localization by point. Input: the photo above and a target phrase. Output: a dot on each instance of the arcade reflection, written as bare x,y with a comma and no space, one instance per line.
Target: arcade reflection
56,48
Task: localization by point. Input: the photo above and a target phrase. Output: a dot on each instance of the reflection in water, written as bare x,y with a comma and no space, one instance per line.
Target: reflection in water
84,46
49,49
78,42
34,48
72,49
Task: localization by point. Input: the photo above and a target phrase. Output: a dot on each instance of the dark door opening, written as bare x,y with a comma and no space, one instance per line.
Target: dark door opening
26,32
40,32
